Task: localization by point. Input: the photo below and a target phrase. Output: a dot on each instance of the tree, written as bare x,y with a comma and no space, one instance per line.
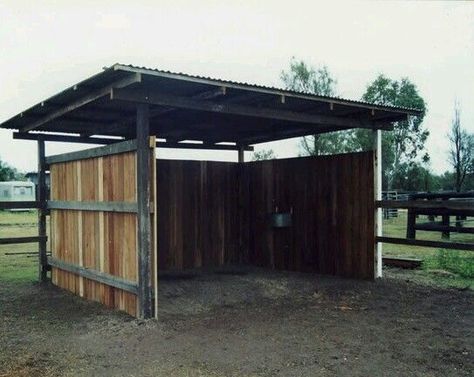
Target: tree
264,154
461,154
304,78
8,173
406,142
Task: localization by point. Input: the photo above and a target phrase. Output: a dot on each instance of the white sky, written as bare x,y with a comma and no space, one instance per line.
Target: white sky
49,45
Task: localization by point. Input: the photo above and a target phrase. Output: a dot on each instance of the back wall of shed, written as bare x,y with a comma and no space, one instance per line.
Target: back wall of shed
218,213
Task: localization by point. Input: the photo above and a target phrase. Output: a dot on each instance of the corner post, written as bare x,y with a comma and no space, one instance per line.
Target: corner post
241,152
41,198
144,223
377,139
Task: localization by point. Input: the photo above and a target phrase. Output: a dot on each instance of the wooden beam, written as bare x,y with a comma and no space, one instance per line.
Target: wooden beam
91,97
94,275
241,155
41,196
431,207
208,94
120,147
123,207
222,147
144,205
441,227
18,240
108,141
20,205
66,138
160,99
410,263
426,243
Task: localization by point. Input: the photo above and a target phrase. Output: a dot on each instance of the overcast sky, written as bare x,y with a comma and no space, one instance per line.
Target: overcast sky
46,47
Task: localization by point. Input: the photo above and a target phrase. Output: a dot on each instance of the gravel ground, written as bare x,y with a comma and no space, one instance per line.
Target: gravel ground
244,322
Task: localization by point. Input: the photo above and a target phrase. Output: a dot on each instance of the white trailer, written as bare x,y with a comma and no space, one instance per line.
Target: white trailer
15,191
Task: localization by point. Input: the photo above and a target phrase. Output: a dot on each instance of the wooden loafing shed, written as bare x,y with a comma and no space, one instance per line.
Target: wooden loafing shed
118,215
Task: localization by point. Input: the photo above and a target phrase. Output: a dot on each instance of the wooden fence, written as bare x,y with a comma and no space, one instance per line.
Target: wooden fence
198,214
94,224
331,203
215,213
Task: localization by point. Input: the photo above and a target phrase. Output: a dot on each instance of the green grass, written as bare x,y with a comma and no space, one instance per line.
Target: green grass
18,268
449,268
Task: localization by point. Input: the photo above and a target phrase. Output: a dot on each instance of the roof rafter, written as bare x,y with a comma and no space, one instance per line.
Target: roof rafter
132,79
153,97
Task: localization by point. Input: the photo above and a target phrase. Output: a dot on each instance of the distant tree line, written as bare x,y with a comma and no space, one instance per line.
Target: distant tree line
9,173
405,161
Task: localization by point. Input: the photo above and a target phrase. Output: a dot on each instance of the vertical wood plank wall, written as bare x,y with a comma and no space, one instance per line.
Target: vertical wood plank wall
198,208
215,213
332,201
101,241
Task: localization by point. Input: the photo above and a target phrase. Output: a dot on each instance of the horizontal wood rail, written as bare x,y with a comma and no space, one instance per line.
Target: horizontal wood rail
440,227
20,205
127,207
426,243
98,276
402,262
431,207
15,240
107,150
108,141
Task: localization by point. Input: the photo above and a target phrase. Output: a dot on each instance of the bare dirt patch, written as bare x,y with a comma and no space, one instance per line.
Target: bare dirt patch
243,322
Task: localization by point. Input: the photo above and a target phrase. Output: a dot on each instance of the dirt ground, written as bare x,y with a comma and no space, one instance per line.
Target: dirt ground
244,323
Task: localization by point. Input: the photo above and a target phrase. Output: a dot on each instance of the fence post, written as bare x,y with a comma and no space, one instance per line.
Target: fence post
377,145
411,221
143,203
41,192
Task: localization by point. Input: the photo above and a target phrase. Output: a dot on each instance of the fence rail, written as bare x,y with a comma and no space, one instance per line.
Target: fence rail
459,205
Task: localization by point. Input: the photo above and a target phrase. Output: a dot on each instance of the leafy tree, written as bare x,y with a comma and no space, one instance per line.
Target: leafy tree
304,78
406,142
8,173
461,154
414,177
264,154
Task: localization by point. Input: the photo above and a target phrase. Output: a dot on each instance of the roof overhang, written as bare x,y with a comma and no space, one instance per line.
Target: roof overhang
184,107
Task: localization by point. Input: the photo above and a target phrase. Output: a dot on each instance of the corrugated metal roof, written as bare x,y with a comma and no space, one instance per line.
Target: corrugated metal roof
103,116
264,87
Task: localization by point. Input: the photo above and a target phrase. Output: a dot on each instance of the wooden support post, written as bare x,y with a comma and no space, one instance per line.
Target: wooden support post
445,222
377,135
411,221
241,154
41,198
143,206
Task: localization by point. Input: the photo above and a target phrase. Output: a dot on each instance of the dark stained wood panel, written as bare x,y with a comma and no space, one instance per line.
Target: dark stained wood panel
217,213
198,214
331,199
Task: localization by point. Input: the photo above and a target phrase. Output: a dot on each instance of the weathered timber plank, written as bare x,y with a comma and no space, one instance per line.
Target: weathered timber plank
426,243
20,205
94,275
144,205
93,206
88,98
15,240
41,196
117,148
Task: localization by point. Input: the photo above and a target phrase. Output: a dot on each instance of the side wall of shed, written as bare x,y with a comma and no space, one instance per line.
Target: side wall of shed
331,199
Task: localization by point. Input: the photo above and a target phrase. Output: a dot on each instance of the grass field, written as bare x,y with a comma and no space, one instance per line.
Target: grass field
449,268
